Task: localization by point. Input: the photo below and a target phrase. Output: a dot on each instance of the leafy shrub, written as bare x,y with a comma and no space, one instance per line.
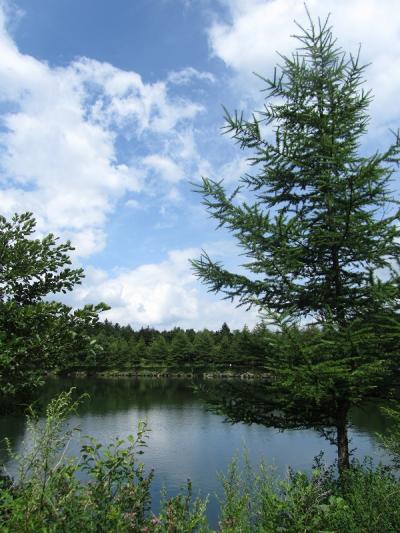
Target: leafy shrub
367,500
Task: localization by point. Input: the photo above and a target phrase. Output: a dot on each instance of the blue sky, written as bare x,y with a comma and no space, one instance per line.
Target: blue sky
109,110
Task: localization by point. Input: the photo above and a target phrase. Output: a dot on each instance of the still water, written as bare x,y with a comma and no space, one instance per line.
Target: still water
186,440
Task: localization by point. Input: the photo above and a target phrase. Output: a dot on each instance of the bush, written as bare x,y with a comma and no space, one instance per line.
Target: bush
367,500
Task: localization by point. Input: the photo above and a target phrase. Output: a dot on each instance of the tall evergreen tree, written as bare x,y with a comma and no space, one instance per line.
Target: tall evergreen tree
202,346
141,350
158,350
223,353
181,350
318,226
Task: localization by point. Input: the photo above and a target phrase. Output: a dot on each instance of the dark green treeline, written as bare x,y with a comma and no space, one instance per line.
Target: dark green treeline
126,349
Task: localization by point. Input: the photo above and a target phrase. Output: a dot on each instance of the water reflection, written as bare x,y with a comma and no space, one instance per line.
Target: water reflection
188,441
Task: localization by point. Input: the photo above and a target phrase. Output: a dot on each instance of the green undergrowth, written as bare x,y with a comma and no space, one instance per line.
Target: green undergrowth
48,494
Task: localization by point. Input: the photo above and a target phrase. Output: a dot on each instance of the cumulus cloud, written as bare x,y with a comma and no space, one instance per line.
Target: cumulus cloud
161,295
59,140
254,30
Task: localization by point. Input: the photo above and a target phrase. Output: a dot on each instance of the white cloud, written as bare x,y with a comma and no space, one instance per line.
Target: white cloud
125,97
86,241
162,295
255,32
255,29
233,170
174,196
186,75
59,135
165,167
133,204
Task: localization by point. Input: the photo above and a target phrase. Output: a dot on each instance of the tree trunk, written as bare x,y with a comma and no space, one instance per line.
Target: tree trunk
342,438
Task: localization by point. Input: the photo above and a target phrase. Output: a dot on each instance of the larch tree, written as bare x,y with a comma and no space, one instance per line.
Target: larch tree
320,234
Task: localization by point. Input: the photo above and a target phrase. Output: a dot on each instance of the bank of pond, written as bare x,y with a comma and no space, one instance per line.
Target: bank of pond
107,489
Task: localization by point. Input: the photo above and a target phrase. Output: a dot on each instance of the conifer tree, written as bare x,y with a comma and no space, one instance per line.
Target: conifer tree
181,350
318,228
202,346
141,350
158,350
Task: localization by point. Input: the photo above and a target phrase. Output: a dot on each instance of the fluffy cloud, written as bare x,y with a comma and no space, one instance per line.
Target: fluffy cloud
162,295
247,41
59,140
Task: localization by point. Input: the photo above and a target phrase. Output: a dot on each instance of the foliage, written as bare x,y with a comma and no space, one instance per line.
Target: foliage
259,501
317,223
181,348
391,441
182,514
203,345
158,351
126,349
35,333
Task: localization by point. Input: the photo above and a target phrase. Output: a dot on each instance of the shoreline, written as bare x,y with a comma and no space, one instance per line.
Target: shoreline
161,374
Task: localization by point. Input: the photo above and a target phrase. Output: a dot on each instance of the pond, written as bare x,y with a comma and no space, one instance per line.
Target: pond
186,440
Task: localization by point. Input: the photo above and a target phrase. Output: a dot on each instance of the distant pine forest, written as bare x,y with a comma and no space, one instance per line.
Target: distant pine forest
186,350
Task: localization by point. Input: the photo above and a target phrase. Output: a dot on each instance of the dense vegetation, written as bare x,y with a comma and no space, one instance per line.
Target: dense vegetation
48,497
124,349
319,231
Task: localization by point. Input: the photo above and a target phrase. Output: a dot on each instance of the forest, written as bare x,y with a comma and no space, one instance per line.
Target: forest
123,349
